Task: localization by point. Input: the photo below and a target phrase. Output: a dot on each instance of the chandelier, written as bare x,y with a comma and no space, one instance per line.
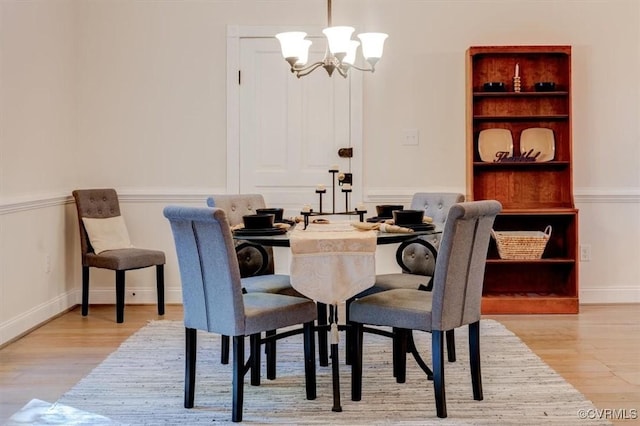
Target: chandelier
341,50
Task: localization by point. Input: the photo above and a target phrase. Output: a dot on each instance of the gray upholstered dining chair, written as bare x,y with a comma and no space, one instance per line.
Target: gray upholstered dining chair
256,262
214,301
417,258
100,221
454,302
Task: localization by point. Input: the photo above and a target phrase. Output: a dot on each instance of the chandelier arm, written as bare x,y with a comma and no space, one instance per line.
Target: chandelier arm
372,69
342,70
301,72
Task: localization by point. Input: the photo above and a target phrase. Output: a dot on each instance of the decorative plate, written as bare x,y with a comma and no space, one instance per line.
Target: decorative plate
256,232
538,139
492,141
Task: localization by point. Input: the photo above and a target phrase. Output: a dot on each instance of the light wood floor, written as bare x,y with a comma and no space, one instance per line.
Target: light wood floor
598,351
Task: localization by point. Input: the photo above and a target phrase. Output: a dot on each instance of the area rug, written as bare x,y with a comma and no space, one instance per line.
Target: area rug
141,383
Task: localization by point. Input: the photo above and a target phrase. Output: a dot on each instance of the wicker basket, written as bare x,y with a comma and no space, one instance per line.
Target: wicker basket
521,244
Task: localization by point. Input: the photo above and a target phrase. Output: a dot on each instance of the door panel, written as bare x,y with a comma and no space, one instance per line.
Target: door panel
290,129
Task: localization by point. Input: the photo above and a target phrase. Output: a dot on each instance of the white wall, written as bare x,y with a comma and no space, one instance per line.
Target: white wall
131,95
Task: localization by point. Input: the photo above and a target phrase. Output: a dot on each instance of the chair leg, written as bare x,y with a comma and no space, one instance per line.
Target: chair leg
270,351
323,342
254,359
356,363
348,353
85,291
400,338
160,288
238,378
310,360
119,296
191,337
474,359
451,345
437,354
224,349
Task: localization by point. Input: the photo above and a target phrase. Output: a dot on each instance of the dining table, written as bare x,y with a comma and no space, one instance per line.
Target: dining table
332,262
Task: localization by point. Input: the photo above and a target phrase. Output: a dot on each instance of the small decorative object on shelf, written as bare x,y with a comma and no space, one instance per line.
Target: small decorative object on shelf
528,157
516,79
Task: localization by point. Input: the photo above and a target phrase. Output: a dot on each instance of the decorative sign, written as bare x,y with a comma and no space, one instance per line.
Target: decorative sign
527,157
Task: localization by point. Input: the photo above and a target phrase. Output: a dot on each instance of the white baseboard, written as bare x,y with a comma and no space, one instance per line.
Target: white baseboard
610,295
32,318
136,296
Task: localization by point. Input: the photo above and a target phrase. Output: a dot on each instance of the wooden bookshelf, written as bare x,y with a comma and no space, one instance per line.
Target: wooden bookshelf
533,194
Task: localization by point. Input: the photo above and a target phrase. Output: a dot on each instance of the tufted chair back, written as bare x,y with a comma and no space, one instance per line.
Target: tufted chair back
436,204
235,206
94,203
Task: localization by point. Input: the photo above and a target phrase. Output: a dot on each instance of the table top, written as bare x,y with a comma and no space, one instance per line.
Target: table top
282,240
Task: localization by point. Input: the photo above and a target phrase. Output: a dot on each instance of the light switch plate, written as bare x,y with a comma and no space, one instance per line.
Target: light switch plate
410,137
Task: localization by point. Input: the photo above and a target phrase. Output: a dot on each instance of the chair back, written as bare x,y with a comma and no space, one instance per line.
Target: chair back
211,284
236,206
436,205
459,274
94,203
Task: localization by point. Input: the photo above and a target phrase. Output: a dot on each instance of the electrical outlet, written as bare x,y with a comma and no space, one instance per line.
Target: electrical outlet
47,263
585,253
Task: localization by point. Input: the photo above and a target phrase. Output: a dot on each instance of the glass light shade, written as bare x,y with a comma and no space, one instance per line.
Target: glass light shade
372,44
291,43
350,58
338,38
303,55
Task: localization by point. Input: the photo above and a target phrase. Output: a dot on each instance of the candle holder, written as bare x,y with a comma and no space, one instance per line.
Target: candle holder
320,193
333,171
347,191
516,84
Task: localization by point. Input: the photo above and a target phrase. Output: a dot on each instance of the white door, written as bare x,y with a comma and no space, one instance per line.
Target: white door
290,130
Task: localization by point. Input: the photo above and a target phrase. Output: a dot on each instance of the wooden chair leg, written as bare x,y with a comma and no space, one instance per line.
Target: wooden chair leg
323,342
270,351
437,354
238,378
120,296
474,359
191,337
254,360
356,363
160,288
310,360
224,349
451,345
85,291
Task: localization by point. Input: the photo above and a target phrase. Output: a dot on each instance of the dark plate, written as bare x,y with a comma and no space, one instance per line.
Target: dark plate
267,231
287,221
420,226
378,219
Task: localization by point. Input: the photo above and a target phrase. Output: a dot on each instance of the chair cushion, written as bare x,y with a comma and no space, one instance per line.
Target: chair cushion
273,283
125,259
108,233
404,308
266,311
399,280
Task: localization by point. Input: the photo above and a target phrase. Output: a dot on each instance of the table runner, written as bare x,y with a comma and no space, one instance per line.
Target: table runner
332,262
